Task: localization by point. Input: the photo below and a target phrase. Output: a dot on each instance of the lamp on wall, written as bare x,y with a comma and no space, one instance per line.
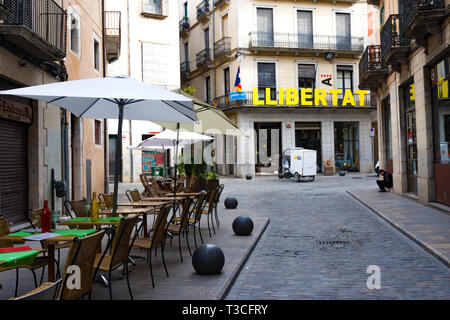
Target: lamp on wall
329,55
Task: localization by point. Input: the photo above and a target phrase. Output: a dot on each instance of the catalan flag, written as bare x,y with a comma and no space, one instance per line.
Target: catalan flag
237,83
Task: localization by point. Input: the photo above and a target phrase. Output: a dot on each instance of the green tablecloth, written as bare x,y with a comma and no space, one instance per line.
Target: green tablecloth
72,232
86,219
14,259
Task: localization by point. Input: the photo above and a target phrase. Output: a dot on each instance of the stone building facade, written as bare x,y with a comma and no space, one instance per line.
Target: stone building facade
409,70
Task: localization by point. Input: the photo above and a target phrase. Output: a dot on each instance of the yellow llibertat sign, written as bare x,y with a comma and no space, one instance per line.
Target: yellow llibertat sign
308,97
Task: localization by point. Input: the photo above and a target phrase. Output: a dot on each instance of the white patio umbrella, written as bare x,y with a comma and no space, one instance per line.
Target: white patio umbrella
170,138
113,98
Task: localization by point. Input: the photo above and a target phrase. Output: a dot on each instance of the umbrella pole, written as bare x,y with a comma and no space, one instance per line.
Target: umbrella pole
118,157
176,168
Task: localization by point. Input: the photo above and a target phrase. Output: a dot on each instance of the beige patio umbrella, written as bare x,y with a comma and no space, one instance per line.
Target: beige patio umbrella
210,120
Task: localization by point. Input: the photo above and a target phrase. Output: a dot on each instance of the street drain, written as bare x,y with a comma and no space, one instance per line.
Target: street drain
333,242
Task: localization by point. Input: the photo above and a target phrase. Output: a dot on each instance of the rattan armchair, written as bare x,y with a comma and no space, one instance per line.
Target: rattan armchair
38,263
119,253
180,225
157,238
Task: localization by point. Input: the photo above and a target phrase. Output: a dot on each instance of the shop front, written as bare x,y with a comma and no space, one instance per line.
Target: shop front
441,124
15,118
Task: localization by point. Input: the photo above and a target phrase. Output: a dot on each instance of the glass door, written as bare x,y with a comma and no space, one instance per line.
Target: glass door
265,27
411,150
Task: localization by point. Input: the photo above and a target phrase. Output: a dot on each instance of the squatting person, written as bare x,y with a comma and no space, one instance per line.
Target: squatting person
386,182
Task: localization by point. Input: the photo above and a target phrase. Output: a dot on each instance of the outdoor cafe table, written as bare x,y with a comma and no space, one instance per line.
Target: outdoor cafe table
146,201
183,194
64,236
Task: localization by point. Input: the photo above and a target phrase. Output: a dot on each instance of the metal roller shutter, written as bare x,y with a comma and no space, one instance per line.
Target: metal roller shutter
13,170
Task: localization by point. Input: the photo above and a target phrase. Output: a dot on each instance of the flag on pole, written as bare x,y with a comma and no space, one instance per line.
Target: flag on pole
239,94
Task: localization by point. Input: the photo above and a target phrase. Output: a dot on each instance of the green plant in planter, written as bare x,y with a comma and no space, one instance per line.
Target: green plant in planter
212,175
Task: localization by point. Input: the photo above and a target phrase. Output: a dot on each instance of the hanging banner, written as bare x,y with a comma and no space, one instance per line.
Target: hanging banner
239,94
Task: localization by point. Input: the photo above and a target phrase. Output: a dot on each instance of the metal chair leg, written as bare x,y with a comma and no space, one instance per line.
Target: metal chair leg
110,285
34,278
17,282
151,270
128,280
164,260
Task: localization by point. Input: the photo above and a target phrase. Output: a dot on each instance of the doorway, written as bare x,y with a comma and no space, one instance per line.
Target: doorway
411,150
268,147
308,136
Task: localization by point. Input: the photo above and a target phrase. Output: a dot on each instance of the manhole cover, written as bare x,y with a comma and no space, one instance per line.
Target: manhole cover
333,242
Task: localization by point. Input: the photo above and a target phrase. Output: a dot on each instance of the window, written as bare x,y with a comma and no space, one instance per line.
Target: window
206,37
267,79
155,63
186,55
343,31
97,132
153,6
208,89
225,32
226,80
74,42
305,29
344,80
96,52
264,17
346,146
306,76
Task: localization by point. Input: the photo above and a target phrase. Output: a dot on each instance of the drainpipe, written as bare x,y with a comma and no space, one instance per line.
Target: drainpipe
129,75
105,121
213,50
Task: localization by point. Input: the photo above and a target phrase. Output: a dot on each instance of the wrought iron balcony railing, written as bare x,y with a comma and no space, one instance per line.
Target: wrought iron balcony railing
222,47
112,23
203,58
304,41
371,68
390,35
155,9
219,3
44,18
225,103
4,12
411,7
184,25
203,9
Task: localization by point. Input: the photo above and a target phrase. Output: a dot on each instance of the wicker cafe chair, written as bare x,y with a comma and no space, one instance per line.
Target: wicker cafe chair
82,253
77,206
35,215
158,237
181,226
145,184
156,187
216,203
46,291
133,195
209,209
38,263
108,199
196,215
120,250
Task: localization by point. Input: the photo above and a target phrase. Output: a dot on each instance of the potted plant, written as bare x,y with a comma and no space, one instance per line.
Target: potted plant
199,170
212,179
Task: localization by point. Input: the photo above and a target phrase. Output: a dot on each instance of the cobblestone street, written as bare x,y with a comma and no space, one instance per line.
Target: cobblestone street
290,263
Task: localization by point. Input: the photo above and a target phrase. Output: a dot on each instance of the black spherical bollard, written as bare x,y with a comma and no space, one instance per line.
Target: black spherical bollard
208,259
243,226
231,203
248,177
342,173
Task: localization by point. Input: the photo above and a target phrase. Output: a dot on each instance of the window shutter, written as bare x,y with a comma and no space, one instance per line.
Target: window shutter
307,71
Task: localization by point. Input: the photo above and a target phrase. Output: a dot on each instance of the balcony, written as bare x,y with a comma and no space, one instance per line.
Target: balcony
203,58
222,48
155,9
373,2
221,3
184,27
372,71
4,12
421,18
35,30
394,49
293,42
203,10
224,103
185,71
112,35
